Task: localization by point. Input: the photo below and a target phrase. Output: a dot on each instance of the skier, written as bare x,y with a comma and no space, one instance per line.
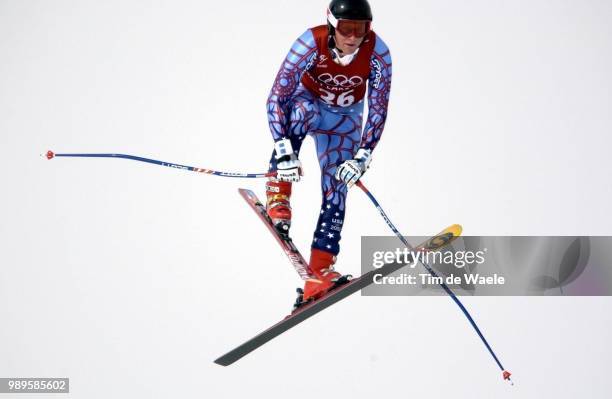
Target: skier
319,91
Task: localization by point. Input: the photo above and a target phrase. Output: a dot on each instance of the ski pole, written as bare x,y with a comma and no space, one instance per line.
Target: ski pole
51,155
506,374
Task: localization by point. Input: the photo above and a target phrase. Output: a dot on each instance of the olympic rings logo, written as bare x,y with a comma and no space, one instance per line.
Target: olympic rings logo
340,80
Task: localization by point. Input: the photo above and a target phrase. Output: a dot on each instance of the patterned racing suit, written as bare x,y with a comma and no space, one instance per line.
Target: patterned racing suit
313,95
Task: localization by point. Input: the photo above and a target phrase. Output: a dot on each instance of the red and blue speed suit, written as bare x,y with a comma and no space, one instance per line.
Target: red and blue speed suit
313,95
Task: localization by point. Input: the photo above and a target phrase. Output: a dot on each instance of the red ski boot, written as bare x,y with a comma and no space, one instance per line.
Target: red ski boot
278,194
325,277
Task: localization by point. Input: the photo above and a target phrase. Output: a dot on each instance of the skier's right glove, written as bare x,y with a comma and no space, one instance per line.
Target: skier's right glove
288,166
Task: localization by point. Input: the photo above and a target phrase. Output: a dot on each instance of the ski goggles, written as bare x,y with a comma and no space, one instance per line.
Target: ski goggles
348,27
358,29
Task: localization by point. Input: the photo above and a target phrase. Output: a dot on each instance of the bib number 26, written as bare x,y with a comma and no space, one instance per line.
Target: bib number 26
343,100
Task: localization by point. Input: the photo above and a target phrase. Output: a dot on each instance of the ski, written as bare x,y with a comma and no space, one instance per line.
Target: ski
310,309
289,248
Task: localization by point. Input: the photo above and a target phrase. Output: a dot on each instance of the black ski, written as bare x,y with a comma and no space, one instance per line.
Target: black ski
304,312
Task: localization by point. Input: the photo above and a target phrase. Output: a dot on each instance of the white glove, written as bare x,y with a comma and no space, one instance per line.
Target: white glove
288,166
351,171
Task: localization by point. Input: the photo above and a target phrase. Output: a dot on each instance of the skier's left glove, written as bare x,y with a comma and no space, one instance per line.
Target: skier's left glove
351,171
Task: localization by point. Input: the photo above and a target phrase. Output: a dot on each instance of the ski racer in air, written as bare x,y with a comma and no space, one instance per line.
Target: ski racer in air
320,91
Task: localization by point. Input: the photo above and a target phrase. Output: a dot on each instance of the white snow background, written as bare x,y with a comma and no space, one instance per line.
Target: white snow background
130,279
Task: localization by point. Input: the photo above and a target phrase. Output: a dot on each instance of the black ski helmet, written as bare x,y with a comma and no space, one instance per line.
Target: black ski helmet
346,9
351,9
